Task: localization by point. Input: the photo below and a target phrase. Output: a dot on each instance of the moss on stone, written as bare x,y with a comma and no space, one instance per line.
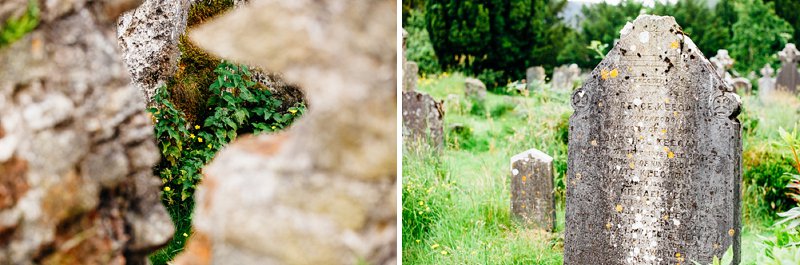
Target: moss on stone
15,28
195,73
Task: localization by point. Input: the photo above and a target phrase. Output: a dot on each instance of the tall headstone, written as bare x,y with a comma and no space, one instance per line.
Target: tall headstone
788,77
766,84
423,120
532,199
722,62
654,167
410,69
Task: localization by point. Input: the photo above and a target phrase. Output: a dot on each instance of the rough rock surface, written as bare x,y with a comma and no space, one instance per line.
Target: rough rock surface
474,88
788,77
532,198
654,167
324,191
76,147
149,37
423,119
534,76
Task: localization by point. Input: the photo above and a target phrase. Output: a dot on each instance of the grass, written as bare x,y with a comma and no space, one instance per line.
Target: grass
456,202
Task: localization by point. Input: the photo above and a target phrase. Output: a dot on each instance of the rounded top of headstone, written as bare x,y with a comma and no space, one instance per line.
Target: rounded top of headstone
789,53
767,71
532,153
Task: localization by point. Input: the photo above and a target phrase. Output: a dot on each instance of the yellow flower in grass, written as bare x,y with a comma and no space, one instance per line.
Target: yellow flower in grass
197,127
209,146
185,235
191,135
292,111
166,189
273,127
444,252
434,246
200,139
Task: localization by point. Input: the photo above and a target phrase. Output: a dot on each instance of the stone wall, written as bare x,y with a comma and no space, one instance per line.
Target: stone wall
76,147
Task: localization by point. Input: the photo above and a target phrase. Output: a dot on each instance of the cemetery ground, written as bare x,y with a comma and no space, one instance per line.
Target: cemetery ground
456,201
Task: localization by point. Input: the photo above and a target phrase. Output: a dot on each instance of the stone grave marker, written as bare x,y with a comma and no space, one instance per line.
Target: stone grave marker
788,77
423,120
532,199
474,88
564,77
766,84
654,164
410,69
534,76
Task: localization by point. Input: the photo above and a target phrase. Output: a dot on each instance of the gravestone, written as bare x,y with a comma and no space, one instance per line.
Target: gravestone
766,84
410,69
532,199
722,62
422,120
565,76
654,166
534,76
474,88
788,77
741,85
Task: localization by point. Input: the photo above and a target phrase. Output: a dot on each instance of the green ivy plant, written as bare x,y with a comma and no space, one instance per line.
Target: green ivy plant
237,105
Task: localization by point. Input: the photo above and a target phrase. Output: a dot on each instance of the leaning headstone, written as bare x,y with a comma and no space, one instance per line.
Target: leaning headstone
474,88
342,154
565,76
534,76
422,120
654,167
532,199
766,84
788,77
76,147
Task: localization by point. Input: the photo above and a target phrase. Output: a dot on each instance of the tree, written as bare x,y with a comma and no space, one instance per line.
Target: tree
500,37
787,9
602,22
418,43
758,35
699,22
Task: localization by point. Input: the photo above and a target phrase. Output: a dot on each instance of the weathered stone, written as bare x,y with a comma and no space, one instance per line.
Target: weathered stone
67,174
654,167
532,199
410,72
149,36
343,150
474,88
535,74
565,77
788,77
766,84
423,120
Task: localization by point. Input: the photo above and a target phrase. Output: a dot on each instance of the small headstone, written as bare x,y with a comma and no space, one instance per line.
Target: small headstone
565,76
422,120
654,163
532,199
741,85
788,77
474,88
410,72
766,84
534,75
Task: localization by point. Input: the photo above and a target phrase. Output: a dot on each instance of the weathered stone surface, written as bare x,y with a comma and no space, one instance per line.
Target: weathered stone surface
535,73
766,84
474,88
654,167
322,192
149,36
565,76
788,77
532,199
723,62
423,119
76,147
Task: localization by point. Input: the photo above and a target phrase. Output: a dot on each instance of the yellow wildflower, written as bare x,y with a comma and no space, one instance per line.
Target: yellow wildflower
421,203
209,146
434,246
191,135
444,252
292,111
273,127
200,139
166,188
185,235
197,127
